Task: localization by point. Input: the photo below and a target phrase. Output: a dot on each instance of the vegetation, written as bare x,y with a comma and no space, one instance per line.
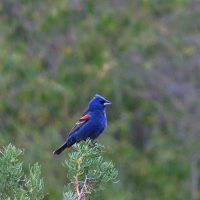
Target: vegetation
87,174
14,183
87,171
142,55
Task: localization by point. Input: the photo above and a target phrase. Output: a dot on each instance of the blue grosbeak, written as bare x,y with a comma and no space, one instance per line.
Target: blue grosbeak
90,125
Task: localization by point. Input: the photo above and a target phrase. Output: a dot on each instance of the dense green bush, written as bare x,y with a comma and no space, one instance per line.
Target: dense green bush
88,172
15,184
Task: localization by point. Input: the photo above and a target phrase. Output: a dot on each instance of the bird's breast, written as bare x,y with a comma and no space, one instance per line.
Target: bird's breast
100,120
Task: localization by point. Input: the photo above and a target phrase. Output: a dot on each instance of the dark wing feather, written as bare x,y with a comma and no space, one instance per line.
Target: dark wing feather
85,117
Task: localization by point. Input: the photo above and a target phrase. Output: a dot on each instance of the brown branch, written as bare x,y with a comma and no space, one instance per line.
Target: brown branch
81,193
76,183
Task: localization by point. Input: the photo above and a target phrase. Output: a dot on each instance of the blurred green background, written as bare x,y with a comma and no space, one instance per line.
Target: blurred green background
143,55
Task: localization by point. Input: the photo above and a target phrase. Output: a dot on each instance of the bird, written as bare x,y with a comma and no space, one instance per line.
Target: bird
91,124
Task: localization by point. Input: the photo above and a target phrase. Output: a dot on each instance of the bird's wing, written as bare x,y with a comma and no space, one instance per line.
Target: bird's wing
85,117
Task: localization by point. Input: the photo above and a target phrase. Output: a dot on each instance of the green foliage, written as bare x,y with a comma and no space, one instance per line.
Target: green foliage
88,172
69,196
14,183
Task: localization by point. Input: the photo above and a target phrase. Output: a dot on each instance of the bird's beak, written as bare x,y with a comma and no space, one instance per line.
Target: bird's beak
107,103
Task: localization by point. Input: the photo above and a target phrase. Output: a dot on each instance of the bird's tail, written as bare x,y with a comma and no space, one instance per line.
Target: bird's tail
70,141
61,149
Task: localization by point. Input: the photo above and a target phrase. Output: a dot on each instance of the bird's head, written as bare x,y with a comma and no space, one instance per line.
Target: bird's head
98,102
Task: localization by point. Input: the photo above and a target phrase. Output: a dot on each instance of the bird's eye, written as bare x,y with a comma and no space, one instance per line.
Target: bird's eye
102,101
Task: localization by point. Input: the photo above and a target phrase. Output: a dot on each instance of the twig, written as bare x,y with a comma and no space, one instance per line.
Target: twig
77,186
